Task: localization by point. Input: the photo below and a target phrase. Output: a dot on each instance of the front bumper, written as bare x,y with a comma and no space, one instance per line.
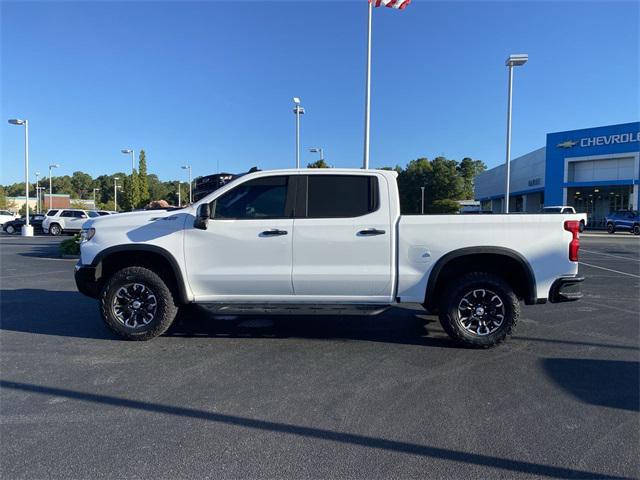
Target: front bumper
87,280
566,289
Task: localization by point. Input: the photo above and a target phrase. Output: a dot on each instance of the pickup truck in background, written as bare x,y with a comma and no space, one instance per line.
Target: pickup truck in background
325,241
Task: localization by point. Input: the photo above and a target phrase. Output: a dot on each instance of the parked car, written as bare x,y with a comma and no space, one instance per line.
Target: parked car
565,210
325,240
63,220
6,216
628,220
15,226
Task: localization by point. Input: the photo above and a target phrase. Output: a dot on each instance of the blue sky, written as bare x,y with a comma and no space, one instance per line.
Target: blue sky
210,82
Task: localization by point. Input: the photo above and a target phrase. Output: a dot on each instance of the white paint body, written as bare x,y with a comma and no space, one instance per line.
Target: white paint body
325,260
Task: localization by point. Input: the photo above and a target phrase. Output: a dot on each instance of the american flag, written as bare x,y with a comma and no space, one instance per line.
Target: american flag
399,4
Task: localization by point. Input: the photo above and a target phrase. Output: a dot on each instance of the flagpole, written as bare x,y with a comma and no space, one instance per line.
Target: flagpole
367,95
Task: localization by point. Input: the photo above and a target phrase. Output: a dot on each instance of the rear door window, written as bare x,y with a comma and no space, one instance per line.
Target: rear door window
51,213
341,196
67,214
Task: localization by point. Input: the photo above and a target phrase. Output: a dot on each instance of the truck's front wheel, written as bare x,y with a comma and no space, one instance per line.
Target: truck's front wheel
136,304
479,310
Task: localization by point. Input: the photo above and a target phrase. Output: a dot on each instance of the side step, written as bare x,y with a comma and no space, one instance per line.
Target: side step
292,309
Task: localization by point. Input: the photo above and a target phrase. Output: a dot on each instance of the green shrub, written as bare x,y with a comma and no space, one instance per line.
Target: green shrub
70,246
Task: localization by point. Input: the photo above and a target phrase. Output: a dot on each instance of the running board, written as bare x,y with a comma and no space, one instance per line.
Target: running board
292,309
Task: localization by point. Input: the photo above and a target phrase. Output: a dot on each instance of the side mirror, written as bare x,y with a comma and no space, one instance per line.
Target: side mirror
202,217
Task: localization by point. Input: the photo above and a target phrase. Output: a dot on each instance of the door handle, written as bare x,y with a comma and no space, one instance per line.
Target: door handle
274,232
371,231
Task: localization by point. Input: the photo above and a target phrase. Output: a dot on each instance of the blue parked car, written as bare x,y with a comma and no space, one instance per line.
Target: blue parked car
628,220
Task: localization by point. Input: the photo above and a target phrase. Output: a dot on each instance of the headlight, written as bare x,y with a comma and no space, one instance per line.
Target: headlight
87,234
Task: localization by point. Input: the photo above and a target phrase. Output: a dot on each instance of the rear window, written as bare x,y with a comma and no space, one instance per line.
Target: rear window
552,210
51,213
334,196
94,214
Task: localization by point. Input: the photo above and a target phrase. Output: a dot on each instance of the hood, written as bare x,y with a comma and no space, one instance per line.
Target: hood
134,219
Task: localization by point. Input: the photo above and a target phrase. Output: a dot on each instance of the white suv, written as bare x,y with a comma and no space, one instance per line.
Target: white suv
64,220
6,216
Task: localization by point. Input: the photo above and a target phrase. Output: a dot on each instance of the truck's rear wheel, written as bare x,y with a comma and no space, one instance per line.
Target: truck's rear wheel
479,310
136,304
55,230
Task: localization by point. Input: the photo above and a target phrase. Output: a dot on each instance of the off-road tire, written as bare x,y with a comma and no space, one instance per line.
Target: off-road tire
453,295
55,229
166,308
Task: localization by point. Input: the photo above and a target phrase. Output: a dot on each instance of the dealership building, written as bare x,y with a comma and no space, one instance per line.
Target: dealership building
595,170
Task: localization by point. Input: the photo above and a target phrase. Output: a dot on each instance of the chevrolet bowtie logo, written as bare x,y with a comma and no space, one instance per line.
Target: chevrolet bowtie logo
567,144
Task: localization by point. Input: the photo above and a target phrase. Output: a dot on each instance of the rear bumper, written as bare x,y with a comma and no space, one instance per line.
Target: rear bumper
86,278
566,289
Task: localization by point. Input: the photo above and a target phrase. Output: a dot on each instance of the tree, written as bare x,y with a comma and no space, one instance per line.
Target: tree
143,179
158,190
131,188
440,180
82,184
318,164
22,210
444,205
3,199
468,170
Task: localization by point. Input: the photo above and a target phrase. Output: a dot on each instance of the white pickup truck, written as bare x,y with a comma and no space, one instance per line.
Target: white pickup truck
325,241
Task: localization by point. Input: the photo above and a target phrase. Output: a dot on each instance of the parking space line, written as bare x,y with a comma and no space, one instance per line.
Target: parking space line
609,270
610,255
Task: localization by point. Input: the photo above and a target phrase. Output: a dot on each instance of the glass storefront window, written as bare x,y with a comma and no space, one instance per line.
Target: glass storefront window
598,202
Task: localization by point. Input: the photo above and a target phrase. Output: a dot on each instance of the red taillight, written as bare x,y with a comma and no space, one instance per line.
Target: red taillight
573,226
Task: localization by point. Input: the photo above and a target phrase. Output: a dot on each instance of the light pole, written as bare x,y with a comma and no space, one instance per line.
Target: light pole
318,150
298,110
179,197
53,165
95,205
115,193
129,151
37,193
422,207
27,229
40,196
515,60
188,167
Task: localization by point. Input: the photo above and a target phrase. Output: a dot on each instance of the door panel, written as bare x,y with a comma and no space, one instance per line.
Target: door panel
343,257
236,257
246,249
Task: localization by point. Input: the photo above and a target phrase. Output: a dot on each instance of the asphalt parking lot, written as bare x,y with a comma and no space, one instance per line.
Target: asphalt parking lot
356,397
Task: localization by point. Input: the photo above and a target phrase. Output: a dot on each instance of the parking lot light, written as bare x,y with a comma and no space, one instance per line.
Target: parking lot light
37,192
53,165
514,60
115,193
188,167
27,229
129,151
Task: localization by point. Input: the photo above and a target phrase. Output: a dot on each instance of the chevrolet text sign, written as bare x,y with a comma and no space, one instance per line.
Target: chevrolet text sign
602,140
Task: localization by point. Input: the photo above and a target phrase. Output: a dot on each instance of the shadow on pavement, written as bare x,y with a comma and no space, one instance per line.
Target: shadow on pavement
606,383
507,464
51,312
70,314
395,325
